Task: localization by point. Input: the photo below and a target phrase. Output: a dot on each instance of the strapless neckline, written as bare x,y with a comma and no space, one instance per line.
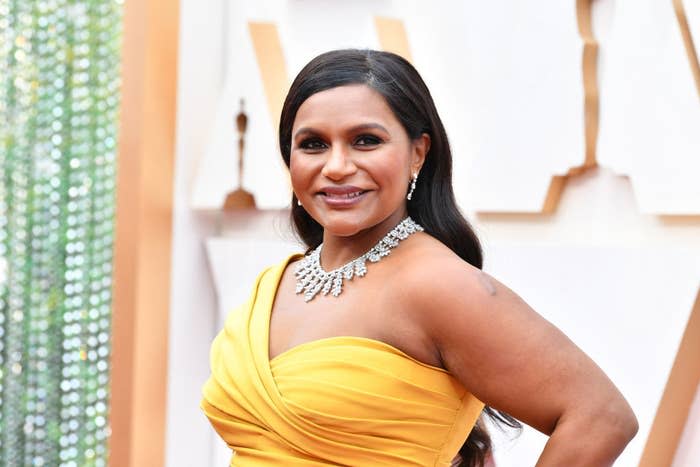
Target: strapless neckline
318,344
356,341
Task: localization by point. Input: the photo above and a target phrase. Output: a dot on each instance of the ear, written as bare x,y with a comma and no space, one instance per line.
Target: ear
420,148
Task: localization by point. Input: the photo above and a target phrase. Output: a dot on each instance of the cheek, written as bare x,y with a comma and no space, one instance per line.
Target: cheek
393,174
300,173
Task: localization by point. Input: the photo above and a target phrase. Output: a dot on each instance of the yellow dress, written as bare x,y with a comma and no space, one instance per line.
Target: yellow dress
348,401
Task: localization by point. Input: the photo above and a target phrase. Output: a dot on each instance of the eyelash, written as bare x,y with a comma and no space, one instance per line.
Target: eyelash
307,144
373,140
316,144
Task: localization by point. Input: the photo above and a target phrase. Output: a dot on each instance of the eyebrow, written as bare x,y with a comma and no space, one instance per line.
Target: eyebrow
362,126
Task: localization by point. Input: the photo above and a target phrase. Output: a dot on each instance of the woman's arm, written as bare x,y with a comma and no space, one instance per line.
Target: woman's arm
514,360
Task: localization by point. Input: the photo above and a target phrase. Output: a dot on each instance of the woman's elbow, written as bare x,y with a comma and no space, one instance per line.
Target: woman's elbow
619,420
631,425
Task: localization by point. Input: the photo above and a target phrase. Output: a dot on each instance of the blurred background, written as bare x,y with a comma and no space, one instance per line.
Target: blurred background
142,191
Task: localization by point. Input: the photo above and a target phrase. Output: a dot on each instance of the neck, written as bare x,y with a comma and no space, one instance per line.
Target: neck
339,250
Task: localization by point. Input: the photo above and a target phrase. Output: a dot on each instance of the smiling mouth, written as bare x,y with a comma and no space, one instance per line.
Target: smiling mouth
351,195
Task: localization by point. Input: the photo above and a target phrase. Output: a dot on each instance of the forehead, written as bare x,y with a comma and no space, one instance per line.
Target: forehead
345,105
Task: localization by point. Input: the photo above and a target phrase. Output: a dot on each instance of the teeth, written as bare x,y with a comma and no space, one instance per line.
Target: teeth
345,195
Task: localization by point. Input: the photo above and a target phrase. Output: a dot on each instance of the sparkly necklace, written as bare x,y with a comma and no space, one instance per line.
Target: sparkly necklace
312,279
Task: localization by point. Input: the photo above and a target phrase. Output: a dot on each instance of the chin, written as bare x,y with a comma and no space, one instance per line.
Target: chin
346,225
344,229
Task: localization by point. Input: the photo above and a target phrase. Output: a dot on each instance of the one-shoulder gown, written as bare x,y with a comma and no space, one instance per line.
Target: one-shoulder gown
347,400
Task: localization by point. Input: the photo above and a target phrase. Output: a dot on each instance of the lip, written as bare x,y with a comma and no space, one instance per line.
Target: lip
342,196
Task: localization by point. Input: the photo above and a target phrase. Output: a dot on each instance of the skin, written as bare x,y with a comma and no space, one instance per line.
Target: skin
349,136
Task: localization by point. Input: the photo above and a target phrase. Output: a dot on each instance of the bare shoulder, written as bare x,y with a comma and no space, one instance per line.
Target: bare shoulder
433,274
441,293
458,302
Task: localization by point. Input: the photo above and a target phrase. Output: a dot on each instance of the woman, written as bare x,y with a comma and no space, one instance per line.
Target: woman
382,345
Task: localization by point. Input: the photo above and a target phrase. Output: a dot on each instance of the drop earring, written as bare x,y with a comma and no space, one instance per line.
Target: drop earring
298,202
413,187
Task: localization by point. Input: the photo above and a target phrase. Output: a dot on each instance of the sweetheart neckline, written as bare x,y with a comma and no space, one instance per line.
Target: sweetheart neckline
355,340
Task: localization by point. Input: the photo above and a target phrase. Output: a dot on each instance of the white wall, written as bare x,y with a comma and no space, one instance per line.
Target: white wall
193,319
614,275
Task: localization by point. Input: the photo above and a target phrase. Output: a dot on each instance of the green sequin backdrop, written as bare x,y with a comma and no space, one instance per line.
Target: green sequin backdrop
59,96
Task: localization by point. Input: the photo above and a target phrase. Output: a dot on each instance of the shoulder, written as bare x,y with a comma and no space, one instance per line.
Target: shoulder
283,267
457,305
440,292
275,276
432,275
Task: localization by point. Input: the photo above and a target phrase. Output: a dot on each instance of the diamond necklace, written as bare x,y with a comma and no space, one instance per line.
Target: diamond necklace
312,279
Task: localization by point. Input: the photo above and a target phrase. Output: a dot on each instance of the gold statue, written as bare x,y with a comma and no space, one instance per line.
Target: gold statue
240,198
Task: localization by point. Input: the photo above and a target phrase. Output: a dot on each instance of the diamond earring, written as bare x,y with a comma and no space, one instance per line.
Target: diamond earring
413,187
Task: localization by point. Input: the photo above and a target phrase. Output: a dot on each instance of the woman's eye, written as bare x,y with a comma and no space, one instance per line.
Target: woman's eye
312,144
367,140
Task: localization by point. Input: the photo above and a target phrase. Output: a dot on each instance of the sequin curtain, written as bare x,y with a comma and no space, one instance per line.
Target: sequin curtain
59,96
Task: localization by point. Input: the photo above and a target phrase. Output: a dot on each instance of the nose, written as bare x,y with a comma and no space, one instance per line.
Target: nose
339,163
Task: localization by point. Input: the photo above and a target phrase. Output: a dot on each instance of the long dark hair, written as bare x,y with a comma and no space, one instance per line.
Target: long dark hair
433,203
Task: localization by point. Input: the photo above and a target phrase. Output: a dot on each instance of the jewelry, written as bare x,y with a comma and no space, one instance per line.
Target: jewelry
413,187
312,279
298,202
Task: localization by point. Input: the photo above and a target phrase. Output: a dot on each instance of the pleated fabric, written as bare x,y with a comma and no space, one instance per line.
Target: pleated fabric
347,400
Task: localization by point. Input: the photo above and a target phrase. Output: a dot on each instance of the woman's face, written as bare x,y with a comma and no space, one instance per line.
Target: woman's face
351,160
